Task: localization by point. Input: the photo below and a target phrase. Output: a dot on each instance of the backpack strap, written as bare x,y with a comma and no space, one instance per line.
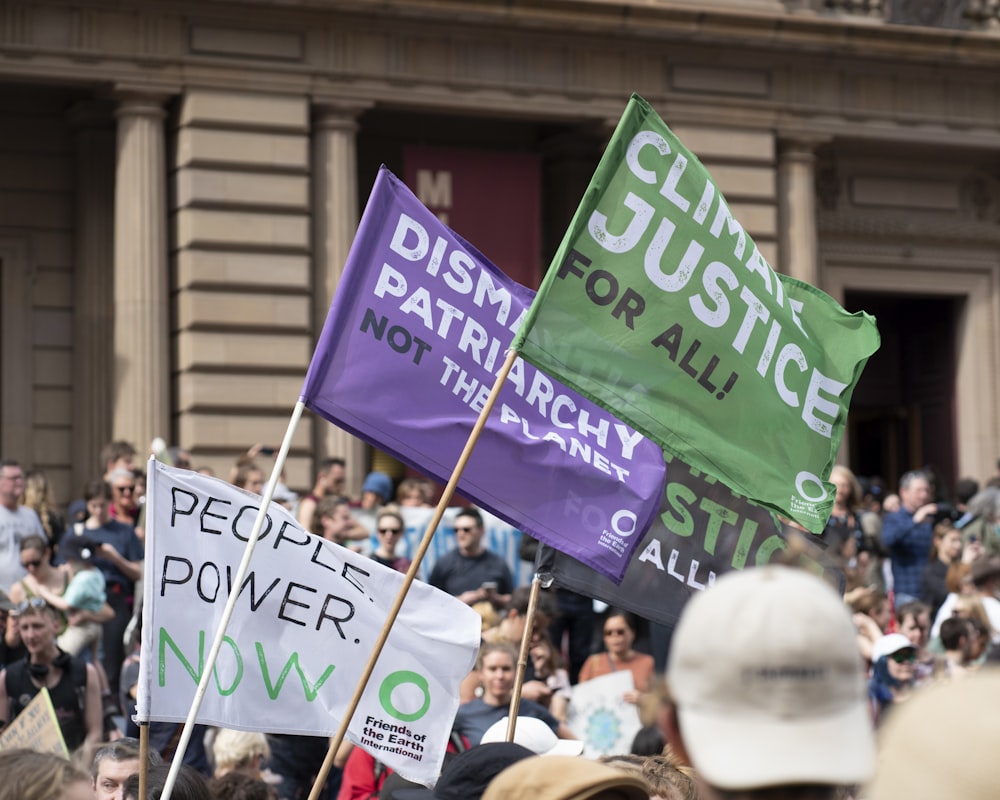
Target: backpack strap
78,674
77,668
16,681
15,678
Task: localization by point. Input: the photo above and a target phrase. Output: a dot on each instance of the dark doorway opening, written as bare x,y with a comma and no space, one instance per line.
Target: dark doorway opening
902,414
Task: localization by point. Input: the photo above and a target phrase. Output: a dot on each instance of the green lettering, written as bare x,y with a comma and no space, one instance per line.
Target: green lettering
682,524
273,690
239,669
166,641
716,516
771,545
742,549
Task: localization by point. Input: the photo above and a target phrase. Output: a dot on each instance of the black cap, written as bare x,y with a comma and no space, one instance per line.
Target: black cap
79,548
469,773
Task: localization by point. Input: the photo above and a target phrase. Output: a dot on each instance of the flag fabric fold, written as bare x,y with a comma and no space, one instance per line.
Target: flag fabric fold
308,615
659,306
414,339
702,531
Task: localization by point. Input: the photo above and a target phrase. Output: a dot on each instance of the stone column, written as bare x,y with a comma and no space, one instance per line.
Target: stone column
141,406
335,221
797,208
93,314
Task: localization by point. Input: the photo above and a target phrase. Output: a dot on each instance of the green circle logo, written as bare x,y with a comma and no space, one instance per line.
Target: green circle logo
398,679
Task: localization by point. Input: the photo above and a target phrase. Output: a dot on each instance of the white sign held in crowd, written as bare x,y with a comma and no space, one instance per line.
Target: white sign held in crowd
307,617
599,716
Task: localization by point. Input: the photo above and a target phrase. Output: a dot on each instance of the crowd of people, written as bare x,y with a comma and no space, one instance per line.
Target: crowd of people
773,686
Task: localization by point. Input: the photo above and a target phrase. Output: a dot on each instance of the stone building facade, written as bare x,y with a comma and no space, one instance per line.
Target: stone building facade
180,182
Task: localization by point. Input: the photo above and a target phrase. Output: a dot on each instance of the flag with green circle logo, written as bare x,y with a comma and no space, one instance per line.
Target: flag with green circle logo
659,307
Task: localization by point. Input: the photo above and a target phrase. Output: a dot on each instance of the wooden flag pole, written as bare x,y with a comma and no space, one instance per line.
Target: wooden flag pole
143,760
418,557
522,658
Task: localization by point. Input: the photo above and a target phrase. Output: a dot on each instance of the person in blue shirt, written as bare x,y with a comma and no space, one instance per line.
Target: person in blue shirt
907,535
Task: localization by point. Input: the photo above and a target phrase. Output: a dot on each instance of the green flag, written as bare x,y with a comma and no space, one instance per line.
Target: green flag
659,307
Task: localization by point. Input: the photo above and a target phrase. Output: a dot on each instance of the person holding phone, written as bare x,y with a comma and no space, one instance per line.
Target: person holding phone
471,572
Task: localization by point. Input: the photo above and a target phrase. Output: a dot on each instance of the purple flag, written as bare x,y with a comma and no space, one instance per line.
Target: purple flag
416,333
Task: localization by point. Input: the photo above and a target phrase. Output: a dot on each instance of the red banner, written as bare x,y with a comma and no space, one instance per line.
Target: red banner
489,197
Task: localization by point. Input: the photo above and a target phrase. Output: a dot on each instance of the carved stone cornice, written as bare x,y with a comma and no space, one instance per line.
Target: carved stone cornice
923,228
566,61
140,96
338,113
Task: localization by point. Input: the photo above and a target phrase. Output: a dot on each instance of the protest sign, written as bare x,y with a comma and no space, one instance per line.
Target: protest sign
307,615
599,716
408,356
36,728
702,531
659,306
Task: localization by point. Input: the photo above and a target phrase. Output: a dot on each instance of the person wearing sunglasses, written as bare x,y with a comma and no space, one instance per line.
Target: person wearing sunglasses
36,558
389,529
894,661
619,635
125,496
471,572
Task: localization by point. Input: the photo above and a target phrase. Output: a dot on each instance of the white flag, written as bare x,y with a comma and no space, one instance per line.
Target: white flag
303,628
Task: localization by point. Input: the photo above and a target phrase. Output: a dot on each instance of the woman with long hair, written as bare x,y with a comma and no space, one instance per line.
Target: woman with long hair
496,666
36,558
39,496
845,516
946,548
844,536
548,668
619,636
389,529
872,614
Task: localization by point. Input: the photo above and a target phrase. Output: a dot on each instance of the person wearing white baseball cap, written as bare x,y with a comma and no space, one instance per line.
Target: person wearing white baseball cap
941,743
893,672
534,734
767,692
